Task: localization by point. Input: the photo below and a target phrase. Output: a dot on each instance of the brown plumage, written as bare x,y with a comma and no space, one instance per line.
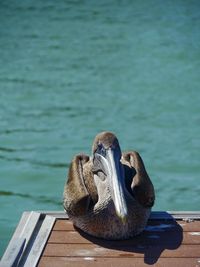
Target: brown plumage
109,195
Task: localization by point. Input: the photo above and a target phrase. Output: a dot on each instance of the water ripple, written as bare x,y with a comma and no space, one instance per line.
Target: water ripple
56,111
11,131
12,150
35,162
39,199
5,149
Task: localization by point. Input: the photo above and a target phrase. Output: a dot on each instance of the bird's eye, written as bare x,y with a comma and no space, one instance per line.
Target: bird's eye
99,146
101,150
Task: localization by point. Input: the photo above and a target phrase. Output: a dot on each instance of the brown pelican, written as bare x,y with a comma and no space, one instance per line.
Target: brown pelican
109,195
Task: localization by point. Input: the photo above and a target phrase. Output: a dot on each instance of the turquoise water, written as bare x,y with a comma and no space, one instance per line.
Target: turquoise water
70,69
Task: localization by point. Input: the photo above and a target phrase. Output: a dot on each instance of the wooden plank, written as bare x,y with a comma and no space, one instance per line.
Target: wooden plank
154,214
93,250
22,236
186,215
56,214
39,242
164,225
183,214
29,226
172,226
63,225
67,225
119,262
13,253
147,238
163,237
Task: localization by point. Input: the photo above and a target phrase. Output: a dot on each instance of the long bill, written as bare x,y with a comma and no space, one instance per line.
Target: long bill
115,176
117,183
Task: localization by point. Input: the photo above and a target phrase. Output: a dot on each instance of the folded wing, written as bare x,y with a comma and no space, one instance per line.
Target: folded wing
137,181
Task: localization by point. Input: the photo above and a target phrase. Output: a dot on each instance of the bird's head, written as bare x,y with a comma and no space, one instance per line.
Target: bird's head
106,161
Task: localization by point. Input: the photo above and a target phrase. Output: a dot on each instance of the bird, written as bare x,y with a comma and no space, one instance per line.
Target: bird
108,195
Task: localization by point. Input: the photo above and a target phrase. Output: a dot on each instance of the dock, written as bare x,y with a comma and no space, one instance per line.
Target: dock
49,239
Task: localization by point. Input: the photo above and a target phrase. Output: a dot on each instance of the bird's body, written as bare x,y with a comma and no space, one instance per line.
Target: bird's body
102,221
110,194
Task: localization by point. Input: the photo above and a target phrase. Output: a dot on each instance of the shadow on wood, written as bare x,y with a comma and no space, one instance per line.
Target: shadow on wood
158,236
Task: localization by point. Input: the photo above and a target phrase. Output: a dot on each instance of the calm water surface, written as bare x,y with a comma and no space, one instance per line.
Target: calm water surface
73,68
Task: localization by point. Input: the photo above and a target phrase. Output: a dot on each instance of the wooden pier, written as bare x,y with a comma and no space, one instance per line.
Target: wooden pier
50,239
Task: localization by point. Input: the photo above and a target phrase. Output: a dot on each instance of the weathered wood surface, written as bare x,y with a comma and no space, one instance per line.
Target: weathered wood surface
28,241
32,257
164,242
48,238
116,262
20,240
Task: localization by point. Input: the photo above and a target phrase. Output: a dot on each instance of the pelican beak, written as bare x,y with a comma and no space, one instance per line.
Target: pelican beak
110,158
